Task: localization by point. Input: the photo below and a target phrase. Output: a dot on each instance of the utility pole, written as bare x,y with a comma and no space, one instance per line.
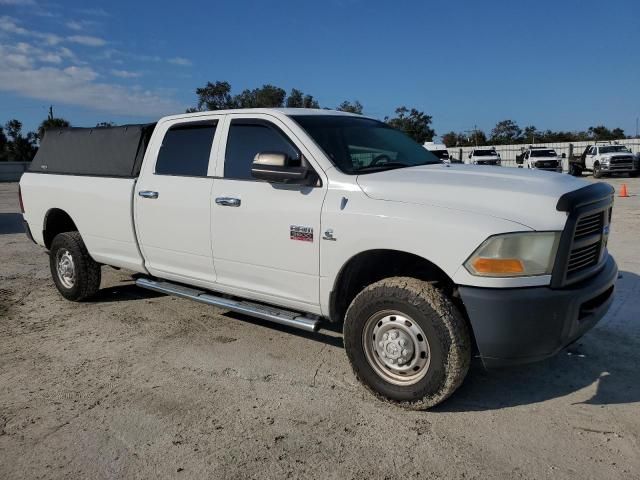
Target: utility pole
50,112
637,118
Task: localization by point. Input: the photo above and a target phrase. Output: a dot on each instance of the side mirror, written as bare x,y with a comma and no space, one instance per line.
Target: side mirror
278,167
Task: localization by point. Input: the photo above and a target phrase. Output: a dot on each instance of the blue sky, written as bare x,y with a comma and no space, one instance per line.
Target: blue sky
554,64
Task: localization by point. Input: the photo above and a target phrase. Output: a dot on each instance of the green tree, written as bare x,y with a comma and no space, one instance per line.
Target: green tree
414,123
214,96
505,132
451,139
51,122
20,148
352,107
267,96
531,134
297,99
4,142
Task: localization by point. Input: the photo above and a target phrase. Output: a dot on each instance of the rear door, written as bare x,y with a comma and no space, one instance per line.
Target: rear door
173,201
265,236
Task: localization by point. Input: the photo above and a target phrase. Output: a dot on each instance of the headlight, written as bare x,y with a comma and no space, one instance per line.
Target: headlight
515,255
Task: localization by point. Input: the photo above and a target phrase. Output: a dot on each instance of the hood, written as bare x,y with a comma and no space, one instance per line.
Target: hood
527,197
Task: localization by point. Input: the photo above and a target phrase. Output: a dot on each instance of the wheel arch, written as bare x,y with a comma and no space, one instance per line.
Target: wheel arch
369,266
56,221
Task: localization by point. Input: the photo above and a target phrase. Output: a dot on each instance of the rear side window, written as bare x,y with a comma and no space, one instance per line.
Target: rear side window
185,150
248,138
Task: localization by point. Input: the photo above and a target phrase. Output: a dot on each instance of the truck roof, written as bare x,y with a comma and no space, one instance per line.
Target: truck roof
278,111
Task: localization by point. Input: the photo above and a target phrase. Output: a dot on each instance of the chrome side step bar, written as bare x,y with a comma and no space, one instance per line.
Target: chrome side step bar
264,312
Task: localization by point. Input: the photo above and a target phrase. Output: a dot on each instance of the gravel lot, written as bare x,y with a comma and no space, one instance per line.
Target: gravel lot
139,385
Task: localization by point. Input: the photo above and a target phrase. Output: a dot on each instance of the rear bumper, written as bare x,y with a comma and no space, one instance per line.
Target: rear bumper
27,230
522,325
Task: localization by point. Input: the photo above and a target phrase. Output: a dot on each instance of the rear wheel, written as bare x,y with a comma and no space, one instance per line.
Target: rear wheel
407,342
634,174
76,275
575,170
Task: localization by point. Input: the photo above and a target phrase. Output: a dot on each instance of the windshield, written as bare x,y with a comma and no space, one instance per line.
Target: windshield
361,145
442,154
485,153
614,149
543,153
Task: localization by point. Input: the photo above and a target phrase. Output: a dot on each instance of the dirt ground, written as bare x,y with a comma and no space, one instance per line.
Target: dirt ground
139,385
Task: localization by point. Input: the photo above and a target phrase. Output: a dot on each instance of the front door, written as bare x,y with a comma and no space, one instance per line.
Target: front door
172,202
265,236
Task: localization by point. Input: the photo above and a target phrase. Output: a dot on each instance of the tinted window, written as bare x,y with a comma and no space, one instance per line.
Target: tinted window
359,145
248,138
484,153
543,153
185,150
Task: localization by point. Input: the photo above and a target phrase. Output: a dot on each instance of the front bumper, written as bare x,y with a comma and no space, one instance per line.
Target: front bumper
522,325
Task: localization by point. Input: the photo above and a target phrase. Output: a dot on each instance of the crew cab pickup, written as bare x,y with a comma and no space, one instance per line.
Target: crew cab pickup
605,158
483,156
304,217
541,158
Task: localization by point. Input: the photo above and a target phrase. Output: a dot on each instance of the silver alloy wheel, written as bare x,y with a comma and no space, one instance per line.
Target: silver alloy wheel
396,347
65,268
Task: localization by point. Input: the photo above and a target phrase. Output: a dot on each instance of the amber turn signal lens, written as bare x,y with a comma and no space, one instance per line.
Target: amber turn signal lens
498,265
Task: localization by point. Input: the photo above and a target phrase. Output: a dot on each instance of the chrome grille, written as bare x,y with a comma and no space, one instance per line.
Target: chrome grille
621,163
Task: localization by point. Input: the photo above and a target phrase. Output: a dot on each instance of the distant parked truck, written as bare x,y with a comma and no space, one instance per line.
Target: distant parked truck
605,158
541,158
439,150
484,156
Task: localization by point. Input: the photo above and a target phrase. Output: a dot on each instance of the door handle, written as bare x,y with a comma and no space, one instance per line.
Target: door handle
148,194
228,201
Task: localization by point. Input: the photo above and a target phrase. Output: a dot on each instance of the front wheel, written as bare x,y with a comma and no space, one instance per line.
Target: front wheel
597,171
76,275
407,342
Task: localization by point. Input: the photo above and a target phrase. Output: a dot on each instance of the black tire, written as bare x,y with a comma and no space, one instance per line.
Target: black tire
86,272
633,174
447,340
575,170
597,171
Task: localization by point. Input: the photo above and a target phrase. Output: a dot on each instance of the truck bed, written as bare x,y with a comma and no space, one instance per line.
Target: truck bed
90,174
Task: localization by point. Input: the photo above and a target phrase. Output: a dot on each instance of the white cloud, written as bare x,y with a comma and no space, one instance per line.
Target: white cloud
54,55
125,74
18,3
50,58
184,62
87,40
79,25
76,85
74,25
10,25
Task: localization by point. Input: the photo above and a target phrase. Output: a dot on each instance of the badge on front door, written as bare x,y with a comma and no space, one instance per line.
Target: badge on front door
304,234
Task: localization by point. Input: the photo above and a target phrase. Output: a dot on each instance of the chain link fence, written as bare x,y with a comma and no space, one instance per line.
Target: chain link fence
509,153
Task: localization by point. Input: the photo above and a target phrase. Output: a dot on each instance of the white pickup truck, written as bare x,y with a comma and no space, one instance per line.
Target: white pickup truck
483,156
541,158
309,216
605,158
